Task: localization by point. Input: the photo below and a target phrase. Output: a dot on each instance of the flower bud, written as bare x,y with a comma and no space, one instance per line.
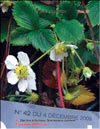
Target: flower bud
77,70
90,46
87,72
34,97
69,96
53,25
73,81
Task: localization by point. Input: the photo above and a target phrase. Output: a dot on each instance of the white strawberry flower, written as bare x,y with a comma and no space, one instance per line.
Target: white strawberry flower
3,8
60,51
20,72
5,5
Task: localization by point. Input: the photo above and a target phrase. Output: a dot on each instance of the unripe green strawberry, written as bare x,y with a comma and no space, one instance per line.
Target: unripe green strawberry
87,72
90,46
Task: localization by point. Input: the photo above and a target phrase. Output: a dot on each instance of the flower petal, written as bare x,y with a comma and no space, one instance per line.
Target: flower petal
52,55
4,8
31,73
60,57
2,4
12,77
11,62
57,57
31,83
72,46
22,85
23,58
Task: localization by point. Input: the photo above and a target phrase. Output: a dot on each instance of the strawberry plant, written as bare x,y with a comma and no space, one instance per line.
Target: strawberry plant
55,40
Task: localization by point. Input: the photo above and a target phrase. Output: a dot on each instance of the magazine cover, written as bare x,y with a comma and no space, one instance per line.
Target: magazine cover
49,64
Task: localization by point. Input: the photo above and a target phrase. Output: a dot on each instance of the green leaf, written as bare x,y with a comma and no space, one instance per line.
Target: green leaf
93,58
85,56
69,31
94,13
76,3
45,22
42,39
4,29
19,37
89,56
43,8
46,13
96,30
47,19
25,15
66,10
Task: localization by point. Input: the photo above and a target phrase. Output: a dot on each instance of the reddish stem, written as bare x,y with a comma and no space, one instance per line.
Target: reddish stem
3,68
91,31
59,85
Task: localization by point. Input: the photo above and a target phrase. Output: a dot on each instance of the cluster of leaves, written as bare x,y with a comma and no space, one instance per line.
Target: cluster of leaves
84,96
34,22
31,29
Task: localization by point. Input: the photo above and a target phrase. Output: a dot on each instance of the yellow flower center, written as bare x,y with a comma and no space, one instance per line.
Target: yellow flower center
61,49
22,72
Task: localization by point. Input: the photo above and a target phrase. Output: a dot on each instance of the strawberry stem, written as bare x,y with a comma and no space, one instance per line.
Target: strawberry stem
59,85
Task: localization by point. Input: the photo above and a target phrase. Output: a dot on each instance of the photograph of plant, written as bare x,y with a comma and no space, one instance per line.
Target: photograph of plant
50,53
